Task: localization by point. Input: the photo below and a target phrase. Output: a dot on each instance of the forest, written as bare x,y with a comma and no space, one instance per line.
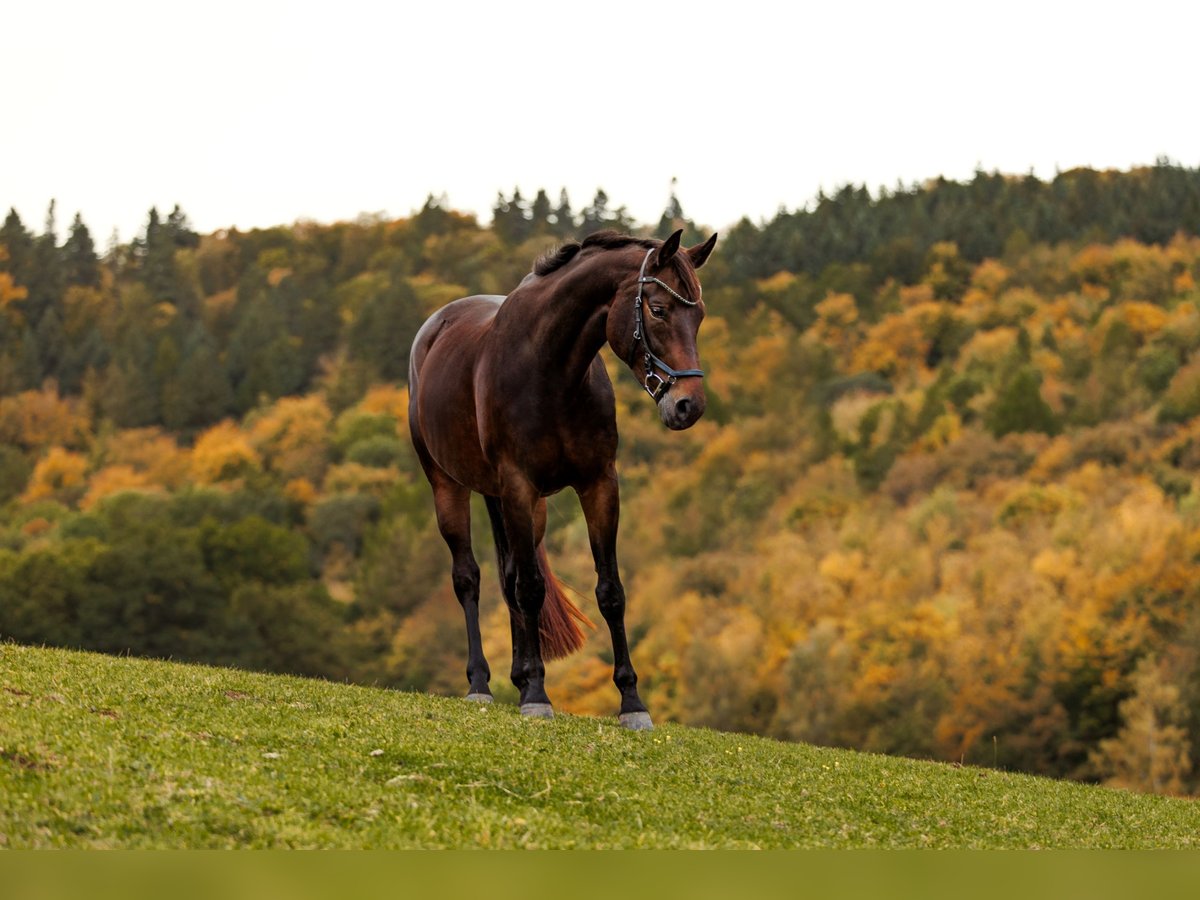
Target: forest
944,502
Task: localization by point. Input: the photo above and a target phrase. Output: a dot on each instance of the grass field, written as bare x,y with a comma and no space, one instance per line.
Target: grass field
98,751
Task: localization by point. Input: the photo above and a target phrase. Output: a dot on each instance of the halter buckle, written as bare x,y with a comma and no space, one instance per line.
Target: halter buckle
664,384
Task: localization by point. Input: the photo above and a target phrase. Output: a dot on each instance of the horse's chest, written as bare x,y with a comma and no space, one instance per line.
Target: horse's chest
553,453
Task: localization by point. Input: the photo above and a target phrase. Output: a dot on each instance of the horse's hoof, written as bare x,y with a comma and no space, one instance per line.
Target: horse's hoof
475,697
636,721
537,710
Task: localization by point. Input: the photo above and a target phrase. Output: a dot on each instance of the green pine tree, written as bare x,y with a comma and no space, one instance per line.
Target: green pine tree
1019,406
81,266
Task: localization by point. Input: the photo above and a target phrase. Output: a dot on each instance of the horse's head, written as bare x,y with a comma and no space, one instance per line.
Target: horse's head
661,329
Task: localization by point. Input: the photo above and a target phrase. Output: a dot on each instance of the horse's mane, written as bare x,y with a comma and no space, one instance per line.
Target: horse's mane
610,240
552,262
605,240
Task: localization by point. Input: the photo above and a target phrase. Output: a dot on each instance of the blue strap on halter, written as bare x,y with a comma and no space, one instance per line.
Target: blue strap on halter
639,334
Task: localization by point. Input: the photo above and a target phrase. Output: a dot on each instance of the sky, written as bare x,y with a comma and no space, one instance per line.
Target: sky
253,114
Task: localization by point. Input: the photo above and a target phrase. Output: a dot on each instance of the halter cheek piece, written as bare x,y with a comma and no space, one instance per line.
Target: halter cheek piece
657,390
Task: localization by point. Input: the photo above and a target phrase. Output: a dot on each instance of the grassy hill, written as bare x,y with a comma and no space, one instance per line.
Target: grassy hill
98,751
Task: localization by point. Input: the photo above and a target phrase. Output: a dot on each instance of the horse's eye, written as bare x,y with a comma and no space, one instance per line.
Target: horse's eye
658,312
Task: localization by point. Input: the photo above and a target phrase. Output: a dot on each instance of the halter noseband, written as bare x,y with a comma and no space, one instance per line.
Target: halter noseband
639,334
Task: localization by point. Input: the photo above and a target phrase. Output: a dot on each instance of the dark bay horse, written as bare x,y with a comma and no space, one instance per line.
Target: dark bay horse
509,398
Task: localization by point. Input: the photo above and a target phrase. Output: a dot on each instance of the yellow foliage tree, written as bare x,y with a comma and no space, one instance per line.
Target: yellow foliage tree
300,490
59,475
292,436
84,307
990,347
223,453
10,293
113,480
37,419
153,455
359,479
837,322
1152,751
1144,319
990,276
387,399
898,343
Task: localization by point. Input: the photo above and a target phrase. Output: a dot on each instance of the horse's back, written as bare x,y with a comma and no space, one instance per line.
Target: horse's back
441,368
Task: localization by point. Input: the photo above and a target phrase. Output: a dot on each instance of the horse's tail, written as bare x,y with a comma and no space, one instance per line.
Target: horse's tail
560,620
558,625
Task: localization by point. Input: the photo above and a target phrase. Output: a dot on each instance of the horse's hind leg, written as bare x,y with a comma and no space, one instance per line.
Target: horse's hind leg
520,512
533,702
508,586
453,504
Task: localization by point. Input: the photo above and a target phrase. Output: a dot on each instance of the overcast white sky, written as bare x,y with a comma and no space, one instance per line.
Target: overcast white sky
259,113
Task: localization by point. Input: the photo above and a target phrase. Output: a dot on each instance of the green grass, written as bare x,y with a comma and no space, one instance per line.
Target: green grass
98,751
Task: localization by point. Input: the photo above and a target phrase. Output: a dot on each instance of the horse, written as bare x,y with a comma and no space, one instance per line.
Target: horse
509,398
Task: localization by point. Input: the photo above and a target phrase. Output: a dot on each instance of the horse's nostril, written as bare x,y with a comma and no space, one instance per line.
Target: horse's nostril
683,406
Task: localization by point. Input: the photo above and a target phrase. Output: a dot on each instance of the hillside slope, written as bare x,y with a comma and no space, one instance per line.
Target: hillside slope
98,751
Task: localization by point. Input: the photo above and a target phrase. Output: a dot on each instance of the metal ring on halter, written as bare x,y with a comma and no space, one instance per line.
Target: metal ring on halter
639,334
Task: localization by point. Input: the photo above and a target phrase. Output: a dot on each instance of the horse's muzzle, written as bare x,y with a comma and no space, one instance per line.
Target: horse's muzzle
683,405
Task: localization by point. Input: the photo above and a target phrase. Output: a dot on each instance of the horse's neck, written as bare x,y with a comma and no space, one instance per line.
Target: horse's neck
563,318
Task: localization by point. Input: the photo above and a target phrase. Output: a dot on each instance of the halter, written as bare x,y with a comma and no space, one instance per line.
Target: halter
639,334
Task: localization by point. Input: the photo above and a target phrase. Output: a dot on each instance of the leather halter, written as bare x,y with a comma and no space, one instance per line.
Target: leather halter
639,334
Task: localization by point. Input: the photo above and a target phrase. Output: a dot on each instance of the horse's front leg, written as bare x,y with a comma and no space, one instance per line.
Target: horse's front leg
518,508
601,503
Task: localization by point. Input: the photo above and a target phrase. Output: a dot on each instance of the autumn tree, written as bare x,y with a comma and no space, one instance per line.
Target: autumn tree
1152,751
11,294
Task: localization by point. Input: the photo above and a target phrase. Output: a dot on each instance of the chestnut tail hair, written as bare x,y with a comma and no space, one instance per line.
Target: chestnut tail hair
560,620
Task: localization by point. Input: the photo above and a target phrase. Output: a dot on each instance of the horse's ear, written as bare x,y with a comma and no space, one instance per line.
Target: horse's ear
699,253
669,248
